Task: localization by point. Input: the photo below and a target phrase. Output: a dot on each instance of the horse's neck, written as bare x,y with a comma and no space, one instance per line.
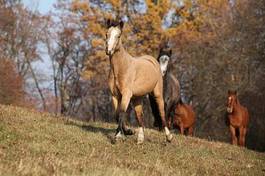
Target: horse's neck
237,106
167,78
120,61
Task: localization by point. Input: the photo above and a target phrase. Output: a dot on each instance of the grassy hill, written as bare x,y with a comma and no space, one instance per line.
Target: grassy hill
33,143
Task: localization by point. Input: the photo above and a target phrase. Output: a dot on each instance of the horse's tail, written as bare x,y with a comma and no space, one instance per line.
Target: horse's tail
155,112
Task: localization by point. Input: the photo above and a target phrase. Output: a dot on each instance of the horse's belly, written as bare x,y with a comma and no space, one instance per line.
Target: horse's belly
141,88
185,121
144,84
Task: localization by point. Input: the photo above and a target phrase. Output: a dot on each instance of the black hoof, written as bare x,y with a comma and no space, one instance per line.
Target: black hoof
128,131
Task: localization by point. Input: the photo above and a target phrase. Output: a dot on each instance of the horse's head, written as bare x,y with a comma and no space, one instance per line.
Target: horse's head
164,58
113,36
231,101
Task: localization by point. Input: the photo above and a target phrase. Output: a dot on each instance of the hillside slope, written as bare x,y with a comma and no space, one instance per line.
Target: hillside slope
33,143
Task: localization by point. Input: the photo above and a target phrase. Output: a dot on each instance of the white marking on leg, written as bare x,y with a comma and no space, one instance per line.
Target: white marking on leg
140,138
168,134
118,135
167,131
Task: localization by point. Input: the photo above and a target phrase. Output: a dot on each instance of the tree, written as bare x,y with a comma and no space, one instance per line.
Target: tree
20,35
11,84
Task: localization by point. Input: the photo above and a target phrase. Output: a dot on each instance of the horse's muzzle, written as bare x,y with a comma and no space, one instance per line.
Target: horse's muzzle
109,52
229,110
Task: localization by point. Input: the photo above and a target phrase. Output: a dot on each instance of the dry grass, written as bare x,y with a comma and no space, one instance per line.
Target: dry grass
33,143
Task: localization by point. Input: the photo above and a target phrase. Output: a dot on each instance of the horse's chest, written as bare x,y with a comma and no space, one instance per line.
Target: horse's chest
118,85
114,85
235,120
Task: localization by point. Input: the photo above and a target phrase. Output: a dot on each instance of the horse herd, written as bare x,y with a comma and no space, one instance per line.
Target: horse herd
131,78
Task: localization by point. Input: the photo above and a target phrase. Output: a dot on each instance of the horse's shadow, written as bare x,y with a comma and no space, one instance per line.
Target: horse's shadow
109,133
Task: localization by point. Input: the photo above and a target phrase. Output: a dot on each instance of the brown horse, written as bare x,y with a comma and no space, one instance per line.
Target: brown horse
171,87
238,119
184,118
131,78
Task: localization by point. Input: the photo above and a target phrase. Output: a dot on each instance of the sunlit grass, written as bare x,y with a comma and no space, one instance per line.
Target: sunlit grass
33,143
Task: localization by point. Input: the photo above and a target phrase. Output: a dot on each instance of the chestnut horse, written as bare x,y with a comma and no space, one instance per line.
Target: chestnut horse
184,118
238,119
131,78
171,87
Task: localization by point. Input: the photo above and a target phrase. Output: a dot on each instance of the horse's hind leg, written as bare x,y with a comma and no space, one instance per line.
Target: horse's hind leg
233,134
139,115
160,103
242,135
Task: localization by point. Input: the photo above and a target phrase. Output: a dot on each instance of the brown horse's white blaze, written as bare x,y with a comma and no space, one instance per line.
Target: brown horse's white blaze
230,105
130,79
238,118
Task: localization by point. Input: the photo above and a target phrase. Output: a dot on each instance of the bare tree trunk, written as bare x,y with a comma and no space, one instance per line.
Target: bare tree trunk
37,86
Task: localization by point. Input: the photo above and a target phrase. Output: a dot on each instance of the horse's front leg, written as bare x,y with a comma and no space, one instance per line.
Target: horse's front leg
181,128
233,135
122,128
138,107
116,102
123,105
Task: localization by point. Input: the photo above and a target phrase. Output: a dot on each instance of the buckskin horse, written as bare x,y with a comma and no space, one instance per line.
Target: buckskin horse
184,118
131,78
238,118
171,87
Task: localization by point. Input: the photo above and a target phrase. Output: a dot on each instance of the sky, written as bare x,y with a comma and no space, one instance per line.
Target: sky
44,67
43,6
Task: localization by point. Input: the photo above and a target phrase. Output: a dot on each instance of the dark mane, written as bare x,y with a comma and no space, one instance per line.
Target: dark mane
114,23
164,50
180,101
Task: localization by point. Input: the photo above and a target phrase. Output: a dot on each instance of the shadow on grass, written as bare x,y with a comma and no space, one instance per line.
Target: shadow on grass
109,133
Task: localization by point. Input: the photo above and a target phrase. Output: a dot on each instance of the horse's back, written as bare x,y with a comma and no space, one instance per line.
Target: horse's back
149,60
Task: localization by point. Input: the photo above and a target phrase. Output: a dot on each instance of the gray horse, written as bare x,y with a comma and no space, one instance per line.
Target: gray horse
171,88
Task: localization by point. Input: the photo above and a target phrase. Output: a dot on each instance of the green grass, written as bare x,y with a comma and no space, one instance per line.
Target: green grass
33,143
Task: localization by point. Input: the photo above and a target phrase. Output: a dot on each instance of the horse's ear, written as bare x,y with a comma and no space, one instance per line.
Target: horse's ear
121,24
235,92
170,52
229,91
108,23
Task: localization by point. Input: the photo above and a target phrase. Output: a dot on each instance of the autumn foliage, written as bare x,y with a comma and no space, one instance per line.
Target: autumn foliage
11,84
